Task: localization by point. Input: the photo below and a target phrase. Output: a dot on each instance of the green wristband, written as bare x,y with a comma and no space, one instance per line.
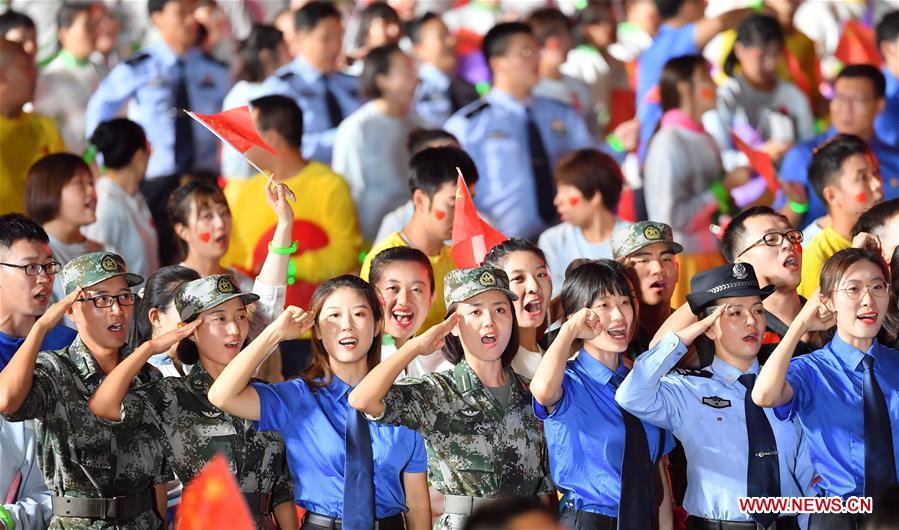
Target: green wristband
615,143
798,207
6,519
283,251
757,5
720,192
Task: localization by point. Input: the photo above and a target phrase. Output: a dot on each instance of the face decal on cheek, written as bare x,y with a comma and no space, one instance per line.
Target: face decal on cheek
205,237
707,94
574,201
440,215
797,248
861,198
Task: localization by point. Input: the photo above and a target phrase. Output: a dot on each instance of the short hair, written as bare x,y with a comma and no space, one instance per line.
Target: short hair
668,8
865,71
154,6
118,140
676,70
496,42
828,160
68,13
498,514
432,168
873,220
16,227
888,28
46,179
312,14
755,31
835,267
413,29
591,171
736,229
391,255
548,22
261,38
420,139
281,114
10,20
589,279
497,255
374,11
376,63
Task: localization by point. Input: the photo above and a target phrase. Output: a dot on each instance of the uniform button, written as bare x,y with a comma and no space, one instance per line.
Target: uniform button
173,112
719,418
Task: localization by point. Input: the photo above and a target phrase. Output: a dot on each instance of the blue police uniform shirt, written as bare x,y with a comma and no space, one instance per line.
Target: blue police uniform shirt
305,84
432,102
886,124
706,412
148,79
585,437
58,338
493,130
794,168
827,400
312,421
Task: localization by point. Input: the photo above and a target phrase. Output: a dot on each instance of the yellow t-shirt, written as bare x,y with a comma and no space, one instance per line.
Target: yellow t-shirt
23,141
441,263
824,245
324,227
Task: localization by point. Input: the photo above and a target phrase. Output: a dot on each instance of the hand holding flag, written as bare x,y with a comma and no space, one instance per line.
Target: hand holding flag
235,127
472,237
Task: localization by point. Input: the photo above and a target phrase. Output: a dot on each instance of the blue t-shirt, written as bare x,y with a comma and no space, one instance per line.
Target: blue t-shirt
312,421
58,338
887,122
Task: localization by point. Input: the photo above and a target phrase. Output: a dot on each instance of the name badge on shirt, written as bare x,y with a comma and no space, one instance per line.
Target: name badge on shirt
558,127
497,135
716,402
218,429
157,82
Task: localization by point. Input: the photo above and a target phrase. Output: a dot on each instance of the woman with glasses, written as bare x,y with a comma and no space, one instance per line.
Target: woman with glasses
100,476
846,394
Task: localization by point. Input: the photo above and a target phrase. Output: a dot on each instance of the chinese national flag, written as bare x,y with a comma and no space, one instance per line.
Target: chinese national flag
234,127
759,162
472,237
857,45
213,500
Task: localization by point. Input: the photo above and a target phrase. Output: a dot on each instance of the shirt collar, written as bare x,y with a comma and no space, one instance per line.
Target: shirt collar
199,379
597,371
850,356
729,373
83,359
431,74
502,99
309,73
336,389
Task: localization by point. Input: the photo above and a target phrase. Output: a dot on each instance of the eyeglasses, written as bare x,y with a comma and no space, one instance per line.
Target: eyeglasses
35,269
775,239
852,100
106,300
877,288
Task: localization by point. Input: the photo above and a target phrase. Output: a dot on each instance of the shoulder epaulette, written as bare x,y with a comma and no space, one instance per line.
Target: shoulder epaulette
137,58
478,107
693,372
286,76
211,58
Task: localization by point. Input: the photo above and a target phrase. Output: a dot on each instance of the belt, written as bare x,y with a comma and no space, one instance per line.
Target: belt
394,521
260,504
786,522
462,504
571,518
112,509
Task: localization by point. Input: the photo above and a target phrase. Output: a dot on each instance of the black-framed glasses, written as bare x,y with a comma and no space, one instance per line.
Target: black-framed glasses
877,288
106,300
775,239
35,269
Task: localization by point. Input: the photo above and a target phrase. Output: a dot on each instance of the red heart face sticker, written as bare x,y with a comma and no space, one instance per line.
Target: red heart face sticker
205,237
574,201
861,198
440,215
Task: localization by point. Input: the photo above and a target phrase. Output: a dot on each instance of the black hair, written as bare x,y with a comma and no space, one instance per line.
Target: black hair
420,139
548,22
865,71
281,114
589,279
828,160
676,70
498,514
888,28
10,20
118,140
889,333
158,293
312,14
732,240
374,11
876,217
16,227
668,8
454,352
497,255
398,254
432,168
756,31
413,29
376,63
154,6
261,38
595,12
591,171
68,13
496,42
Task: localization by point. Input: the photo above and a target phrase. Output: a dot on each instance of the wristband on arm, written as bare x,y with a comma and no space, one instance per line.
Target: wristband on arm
283,251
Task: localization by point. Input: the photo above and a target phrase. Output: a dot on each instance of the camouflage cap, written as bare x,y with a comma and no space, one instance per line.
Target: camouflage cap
209,291
90,269
631,238
462,284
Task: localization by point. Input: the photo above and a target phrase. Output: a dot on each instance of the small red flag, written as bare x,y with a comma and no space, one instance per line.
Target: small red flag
472,237
234,127
857,45
760,162
214,500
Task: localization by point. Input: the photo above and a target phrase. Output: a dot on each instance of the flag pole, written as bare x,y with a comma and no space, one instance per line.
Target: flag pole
270,177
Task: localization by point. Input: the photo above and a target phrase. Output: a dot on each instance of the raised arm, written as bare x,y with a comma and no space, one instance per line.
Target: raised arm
547,383
368,396
232,392
107,399
707,28
17,377
274,268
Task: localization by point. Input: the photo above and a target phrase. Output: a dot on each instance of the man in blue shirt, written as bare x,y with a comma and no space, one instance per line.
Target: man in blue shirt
858,98
27,270
887,122
325,95
515,138
160,81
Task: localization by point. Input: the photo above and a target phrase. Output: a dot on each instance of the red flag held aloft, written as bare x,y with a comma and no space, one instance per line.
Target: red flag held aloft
857,45
472,237
234,127
213,500
760,162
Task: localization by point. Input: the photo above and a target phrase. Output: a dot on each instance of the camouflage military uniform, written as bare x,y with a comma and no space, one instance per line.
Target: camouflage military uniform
631,238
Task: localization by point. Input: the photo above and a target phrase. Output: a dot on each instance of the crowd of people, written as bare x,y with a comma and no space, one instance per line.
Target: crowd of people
695,300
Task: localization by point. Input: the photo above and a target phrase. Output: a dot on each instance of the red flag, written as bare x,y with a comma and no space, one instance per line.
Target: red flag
234,127
759,162
472,237
857,45
213,500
